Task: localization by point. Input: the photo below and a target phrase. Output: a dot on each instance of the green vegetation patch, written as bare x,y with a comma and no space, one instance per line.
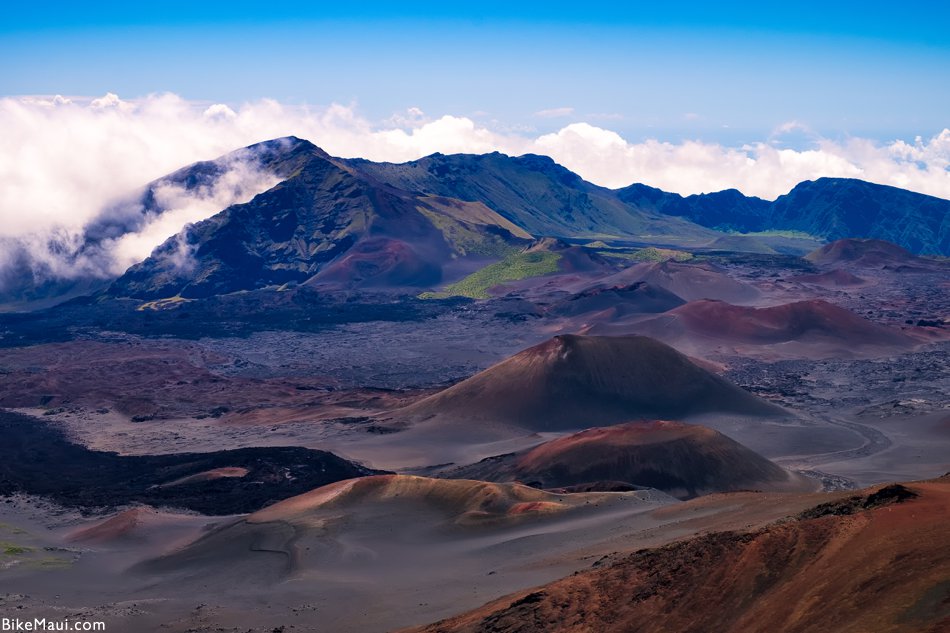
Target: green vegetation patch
511,268
466,239
12,549
651,254
169,303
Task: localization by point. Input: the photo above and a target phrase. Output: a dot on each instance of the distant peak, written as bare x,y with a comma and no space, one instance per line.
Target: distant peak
729,193
285,145
544,163
537,158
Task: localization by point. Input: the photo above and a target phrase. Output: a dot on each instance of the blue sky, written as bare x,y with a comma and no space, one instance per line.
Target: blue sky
690,97
719,72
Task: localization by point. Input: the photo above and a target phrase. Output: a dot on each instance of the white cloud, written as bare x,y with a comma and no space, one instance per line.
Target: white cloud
110,100
62,253
63,160
49,102
219,111
409,118
554,113
791,126
241,182
757,169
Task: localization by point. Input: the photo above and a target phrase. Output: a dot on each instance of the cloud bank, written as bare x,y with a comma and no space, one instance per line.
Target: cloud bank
64,160
137,229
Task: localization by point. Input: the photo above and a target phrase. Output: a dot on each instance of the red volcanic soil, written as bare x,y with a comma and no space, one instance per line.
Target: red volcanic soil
788,322
637,298
686,280
837,278
571,382
380,262
876,562
139,528
208,475
120,526
683,460
862,252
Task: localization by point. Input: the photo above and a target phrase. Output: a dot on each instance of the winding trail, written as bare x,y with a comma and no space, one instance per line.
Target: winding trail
874,442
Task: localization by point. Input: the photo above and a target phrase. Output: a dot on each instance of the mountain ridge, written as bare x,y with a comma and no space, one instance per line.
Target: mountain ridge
322,213
533,191
829,208
401,225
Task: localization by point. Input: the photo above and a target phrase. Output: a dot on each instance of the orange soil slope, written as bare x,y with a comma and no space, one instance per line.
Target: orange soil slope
839,568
